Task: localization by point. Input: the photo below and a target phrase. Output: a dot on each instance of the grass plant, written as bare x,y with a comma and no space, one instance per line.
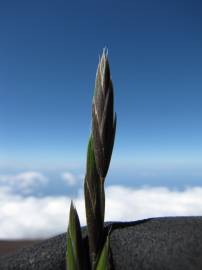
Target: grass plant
99,153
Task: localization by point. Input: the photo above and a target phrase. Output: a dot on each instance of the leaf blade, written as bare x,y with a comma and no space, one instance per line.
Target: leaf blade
74,251
104,257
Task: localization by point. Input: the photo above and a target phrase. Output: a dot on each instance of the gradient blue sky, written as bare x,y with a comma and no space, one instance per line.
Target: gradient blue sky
48,59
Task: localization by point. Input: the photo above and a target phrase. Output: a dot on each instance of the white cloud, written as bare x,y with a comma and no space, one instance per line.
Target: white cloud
69,178
32,217
132,204
25,181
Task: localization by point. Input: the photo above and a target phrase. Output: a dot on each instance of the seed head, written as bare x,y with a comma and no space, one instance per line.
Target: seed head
103,118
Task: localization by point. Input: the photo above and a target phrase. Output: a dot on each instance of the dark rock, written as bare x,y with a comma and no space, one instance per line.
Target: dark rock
48,254
152,244
159,244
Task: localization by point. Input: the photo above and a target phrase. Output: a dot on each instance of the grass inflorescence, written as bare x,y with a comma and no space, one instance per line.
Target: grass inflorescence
99,153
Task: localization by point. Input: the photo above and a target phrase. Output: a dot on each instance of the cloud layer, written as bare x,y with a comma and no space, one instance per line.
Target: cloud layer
32,217
69,178
24,182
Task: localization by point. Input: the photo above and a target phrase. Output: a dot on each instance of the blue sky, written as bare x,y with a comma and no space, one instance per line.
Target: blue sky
49,55
49,52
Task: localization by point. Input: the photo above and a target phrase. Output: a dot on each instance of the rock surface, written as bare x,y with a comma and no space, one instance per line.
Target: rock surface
172,243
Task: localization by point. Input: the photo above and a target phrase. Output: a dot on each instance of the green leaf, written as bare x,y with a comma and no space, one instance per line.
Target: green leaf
74,252
90,157
104,257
